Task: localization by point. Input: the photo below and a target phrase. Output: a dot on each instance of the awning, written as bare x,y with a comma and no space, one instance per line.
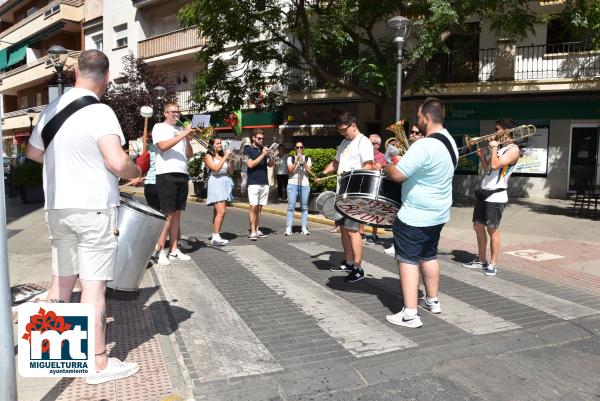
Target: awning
16,54
3,58
264,119
305,126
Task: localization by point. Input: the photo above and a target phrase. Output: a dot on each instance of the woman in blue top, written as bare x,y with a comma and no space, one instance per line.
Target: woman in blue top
219,185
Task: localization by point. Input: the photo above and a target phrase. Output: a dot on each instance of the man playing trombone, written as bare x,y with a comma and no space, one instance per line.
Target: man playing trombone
174,149
491,198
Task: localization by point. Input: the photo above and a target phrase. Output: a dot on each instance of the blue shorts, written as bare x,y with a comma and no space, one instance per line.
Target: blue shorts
415,244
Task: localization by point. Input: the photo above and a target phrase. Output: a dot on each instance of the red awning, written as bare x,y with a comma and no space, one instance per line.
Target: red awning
20,137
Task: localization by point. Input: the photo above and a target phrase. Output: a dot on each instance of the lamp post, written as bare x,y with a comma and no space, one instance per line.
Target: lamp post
159,92
58,55
399,29
31,114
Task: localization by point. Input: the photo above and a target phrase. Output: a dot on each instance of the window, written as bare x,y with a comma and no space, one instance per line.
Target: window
23,102
120,35
98,41
562,37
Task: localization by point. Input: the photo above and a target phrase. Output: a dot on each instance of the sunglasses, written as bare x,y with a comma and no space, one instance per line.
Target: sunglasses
415,133
259,138
374,143
299,147
173,112
343,130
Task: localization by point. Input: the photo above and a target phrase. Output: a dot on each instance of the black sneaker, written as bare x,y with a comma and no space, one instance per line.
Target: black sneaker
372,239
355,275
344,267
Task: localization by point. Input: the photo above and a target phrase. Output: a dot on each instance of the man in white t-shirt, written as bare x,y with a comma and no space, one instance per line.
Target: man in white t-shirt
355,152
82,166
174,150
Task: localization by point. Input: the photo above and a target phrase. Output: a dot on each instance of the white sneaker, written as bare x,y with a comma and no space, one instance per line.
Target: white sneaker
218,238
178,255
260,234
163,258
390,251
218,242
115,370
475,264
288,231
400,319
305,231
433,306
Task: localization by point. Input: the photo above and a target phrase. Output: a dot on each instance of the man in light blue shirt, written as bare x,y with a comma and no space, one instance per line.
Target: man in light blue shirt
426,172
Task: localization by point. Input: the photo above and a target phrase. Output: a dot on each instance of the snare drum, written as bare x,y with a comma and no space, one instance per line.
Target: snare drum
368,197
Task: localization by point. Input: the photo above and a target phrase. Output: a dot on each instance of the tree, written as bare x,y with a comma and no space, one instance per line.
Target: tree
341,43
136,91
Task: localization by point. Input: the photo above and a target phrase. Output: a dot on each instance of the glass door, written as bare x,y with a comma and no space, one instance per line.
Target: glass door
584,155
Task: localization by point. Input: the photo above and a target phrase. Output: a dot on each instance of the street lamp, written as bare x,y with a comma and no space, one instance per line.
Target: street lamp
399,29
31,113
58,55
159,92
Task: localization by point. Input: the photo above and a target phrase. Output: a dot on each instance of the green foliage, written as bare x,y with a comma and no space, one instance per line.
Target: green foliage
136,91
320,158
29,174
196,167
584,16
338,44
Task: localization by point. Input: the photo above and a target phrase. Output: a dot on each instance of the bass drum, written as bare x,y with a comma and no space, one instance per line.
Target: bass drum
368,197
139,228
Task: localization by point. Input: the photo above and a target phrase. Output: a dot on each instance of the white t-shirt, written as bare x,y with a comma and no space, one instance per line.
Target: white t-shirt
171,160
282,165
75,176
299,176
352,154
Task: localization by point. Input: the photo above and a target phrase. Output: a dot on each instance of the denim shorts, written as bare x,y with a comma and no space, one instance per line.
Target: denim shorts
488,213
414,244
348,224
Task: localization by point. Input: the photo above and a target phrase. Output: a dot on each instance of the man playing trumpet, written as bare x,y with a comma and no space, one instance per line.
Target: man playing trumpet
174,150
491,198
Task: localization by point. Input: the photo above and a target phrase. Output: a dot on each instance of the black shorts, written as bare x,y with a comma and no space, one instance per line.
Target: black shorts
172,191
151,195
488,213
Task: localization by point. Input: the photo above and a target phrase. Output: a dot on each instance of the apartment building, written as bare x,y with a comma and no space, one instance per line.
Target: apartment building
548,79
28,28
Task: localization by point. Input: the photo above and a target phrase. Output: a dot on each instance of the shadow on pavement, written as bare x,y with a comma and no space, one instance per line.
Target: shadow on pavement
15,208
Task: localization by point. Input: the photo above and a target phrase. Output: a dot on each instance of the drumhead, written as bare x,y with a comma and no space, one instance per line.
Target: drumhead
321,199
140,207
329,209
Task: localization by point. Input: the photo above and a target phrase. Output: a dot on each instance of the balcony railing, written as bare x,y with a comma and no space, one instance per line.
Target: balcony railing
171,42
184,99
574,60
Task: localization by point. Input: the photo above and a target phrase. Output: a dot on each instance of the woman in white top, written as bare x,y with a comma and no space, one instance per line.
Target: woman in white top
219,185
298,168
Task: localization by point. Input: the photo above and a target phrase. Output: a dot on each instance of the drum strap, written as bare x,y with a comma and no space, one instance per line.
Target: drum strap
52,127
446,143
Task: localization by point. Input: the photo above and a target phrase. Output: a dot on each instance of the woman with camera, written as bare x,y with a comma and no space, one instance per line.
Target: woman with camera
298,168
219,185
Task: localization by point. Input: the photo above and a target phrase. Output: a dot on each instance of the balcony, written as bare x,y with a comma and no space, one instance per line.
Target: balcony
563,61
19,120
169,44
32,74
184,99
42,19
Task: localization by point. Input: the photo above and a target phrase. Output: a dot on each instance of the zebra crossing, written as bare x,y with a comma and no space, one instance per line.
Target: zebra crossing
226,344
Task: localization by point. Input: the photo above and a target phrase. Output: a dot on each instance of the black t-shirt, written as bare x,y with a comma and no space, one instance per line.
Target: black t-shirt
258,174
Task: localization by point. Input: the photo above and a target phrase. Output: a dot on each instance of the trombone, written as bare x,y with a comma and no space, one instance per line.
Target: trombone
502,136
202,135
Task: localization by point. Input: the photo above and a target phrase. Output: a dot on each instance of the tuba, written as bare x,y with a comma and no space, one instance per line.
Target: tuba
398,144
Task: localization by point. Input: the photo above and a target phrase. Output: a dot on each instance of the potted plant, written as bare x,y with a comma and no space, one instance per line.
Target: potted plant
29,181
197,173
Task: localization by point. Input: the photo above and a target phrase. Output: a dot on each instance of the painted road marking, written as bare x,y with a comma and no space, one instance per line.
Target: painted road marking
354,329
526,296
532,254
221,345
454,311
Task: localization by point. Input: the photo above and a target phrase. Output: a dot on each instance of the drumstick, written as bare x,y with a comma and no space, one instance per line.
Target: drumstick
131,182
324,178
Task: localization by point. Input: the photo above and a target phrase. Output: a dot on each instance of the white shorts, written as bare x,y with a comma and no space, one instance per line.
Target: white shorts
258,194
83,242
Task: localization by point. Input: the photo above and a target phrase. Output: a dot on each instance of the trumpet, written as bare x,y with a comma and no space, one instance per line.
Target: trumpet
502,136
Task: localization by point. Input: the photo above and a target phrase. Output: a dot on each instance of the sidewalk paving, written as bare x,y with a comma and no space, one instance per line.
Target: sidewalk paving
146,330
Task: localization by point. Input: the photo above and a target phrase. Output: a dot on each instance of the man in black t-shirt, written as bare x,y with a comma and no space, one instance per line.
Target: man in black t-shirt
258,182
